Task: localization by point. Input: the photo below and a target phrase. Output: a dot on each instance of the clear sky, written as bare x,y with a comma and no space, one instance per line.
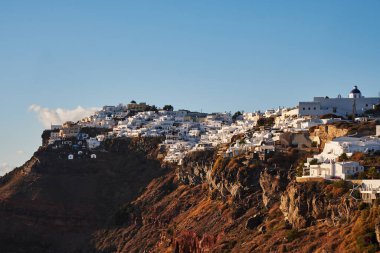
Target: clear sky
199,55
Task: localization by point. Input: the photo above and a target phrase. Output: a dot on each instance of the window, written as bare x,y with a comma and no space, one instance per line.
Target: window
315,108
309,108
303,109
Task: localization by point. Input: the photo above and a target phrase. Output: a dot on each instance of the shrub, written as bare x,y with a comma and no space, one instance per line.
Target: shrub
314,162
362,206
372,173
292,234
341,184
356,194
364,230
367,242
168,108
343,157
236,115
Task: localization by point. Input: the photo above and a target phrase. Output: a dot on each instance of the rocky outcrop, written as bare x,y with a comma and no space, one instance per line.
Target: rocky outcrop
305,204
254,221
273,182
236,177
127,201
377,231
326,133
189,241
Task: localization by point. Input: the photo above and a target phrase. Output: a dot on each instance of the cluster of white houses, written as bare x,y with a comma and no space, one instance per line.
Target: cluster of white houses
327,165
185,131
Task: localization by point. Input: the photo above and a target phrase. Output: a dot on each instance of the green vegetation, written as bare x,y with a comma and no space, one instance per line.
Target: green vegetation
265,121
236,115
292,234
314,162
299,169
168,108
373,173
374,111
151,108
343,157
337,189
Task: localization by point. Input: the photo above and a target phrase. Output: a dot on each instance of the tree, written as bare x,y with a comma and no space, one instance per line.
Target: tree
265,121
314,162
168,108
372,173
343,157
151,108
236,115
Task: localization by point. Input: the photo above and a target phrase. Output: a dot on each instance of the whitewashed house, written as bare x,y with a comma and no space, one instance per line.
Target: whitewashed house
333,169
348,145
355,103
92,143
369,190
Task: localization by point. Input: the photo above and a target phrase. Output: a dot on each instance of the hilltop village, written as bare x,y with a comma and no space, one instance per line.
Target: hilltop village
257,134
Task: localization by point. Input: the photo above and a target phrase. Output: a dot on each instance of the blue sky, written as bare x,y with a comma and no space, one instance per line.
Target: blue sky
199,55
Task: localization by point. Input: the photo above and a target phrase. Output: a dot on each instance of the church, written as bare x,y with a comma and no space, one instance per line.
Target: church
355,103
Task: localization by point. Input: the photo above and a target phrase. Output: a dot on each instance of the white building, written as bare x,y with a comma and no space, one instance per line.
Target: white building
338,106
333,169
378,130
348,145
93,143
369,190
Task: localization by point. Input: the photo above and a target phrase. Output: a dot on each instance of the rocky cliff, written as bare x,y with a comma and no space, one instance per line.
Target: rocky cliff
54,203
326,133
127,201
305,204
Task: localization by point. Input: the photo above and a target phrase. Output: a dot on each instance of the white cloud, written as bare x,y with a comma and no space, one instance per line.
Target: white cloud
4,168
49,116
20,152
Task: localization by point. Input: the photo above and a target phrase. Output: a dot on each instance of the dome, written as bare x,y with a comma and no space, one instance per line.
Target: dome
355,90
355,93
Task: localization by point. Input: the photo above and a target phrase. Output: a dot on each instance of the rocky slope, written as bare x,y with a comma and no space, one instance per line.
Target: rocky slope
127,201
328,132
53,203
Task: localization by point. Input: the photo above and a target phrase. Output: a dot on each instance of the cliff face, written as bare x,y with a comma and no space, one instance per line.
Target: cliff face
60,202
235,179
309,203
326,133
127,201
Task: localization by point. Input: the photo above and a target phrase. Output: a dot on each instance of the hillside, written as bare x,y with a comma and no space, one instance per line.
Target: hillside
126,201
52,203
